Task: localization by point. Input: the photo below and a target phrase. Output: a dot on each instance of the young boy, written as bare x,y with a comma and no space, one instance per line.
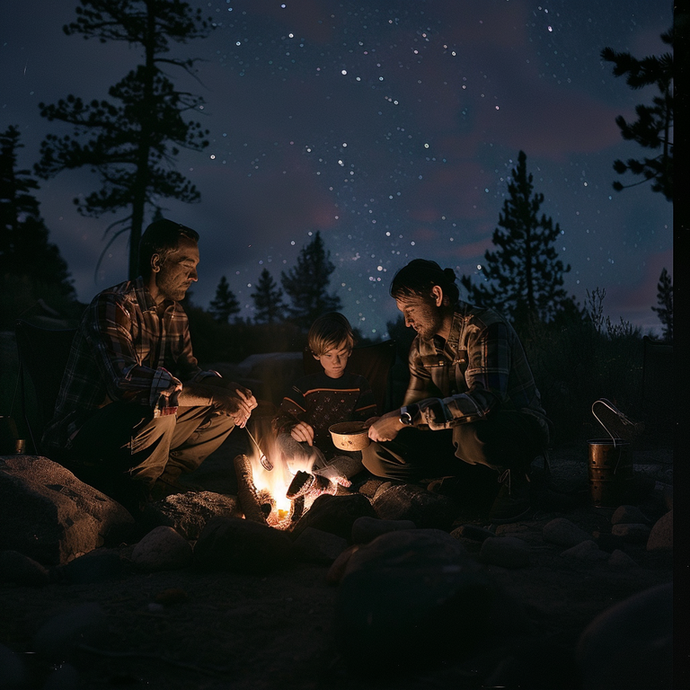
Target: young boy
316,401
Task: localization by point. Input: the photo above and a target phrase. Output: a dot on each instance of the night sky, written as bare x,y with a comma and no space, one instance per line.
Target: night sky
391,127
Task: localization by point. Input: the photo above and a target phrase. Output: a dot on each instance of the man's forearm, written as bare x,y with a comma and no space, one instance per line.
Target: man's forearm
199,395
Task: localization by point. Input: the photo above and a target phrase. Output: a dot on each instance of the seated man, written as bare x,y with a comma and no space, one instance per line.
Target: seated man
134,409
471,395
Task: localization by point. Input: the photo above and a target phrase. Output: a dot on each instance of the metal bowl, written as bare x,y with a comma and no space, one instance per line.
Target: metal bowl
349,435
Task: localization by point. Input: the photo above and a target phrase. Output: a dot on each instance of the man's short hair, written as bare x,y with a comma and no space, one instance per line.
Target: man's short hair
161,237
419,277
329,331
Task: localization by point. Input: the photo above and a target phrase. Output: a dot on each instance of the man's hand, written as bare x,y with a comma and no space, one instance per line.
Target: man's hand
303,432
226,396
386,428
237,404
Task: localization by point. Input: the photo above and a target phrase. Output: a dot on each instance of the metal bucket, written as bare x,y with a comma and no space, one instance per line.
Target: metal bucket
10,443
610,471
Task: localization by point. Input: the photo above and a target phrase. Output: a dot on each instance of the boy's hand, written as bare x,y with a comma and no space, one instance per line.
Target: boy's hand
303,432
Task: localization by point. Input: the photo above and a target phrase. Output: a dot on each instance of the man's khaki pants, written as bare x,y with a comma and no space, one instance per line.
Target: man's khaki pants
122,442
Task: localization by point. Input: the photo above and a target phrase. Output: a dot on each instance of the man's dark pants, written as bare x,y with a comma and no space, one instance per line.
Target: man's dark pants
507,440
122,449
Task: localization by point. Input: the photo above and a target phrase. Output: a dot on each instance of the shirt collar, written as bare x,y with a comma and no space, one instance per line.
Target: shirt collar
146,300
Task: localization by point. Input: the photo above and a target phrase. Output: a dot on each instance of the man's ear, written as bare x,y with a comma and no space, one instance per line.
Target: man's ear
156,263
437,295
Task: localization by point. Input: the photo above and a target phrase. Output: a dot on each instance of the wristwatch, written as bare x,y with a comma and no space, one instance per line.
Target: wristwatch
405,416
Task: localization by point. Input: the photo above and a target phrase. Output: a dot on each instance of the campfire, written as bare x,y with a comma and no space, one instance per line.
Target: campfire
278,496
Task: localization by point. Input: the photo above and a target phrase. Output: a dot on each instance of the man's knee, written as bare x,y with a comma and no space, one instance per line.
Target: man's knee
376,459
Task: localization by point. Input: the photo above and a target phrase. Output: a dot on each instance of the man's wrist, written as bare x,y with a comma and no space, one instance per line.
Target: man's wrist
407,414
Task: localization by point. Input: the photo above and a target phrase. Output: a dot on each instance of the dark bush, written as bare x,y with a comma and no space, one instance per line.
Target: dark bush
575,364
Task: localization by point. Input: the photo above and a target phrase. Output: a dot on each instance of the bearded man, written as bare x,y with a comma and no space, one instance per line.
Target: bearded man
471,397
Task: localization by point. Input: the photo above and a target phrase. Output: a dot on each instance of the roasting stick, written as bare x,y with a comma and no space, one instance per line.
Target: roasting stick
266,463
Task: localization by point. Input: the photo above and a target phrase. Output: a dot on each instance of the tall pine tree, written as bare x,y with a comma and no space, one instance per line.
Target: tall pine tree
653,129
523,277
225,304
268,299
26,255
306,284
664,299
132,140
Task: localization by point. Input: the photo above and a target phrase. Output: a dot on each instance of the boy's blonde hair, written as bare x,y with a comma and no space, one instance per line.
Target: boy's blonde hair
329,331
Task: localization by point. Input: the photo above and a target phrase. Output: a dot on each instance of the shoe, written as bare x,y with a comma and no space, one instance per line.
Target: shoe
513,500
446,486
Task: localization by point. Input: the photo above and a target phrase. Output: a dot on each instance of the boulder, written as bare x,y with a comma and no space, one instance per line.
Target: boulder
661,536
633,533
415,503
335,514
415,597
630,644
243,546
316,546
267,374
162,549
586,551
563,532
22,570
189,512
51,516
472,532
620,559
99,565
628,515
409,548
337,570
366,529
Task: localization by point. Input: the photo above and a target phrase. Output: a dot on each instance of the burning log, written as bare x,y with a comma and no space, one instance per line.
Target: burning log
310,485
253,505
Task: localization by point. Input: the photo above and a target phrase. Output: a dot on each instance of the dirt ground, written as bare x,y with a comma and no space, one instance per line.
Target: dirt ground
191,629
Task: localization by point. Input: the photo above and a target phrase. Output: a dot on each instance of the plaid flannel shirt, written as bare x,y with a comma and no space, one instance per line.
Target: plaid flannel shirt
480,368
123,350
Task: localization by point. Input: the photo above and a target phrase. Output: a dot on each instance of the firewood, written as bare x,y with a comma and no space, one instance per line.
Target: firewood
247,494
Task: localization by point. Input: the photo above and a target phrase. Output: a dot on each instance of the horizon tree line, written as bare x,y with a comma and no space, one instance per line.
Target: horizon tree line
523,277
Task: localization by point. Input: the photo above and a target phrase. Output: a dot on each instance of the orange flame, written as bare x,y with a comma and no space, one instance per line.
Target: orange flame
277,481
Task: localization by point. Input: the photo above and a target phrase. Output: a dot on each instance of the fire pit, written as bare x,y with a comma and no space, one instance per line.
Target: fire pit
279,496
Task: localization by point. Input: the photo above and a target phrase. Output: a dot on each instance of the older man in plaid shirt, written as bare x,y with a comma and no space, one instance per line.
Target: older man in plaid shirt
469,376
135,410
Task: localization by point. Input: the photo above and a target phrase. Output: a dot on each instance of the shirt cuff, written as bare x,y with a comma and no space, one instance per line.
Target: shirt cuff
163,397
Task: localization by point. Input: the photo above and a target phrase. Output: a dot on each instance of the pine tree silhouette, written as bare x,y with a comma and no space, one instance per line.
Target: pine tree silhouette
26,254
306,284
268,299
653,128
523,277
225,304
131,140
664,299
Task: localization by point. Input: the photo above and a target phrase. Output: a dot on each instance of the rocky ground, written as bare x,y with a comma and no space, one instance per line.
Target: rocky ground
111,623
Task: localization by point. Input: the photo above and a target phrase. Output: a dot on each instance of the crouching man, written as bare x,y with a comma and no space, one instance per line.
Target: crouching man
135,411
471,395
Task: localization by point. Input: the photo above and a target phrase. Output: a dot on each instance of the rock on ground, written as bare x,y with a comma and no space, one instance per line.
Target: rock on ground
51,516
